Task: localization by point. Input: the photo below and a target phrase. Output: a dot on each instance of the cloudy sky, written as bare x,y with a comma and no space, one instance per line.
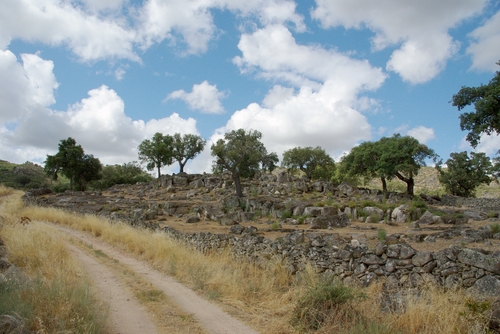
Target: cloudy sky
329,73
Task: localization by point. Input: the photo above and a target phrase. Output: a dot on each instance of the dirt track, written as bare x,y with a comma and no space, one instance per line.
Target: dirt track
127,315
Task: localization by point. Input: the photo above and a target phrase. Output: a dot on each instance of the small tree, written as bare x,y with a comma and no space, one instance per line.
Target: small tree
240,153
402,157
362,161
157,152
72,162
127,173
486,100
464,174
314,162
186,147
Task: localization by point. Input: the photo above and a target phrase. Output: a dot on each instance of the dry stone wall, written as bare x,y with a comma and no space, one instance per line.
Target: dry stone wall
351,261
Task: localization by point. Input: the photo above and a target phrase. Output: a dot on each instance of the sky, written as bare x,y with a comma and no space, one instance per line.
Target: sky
328,73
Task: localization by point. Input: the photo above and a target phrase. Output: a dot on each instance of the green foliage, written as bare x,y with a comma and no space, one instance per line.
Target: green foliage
495,228
391,157
314,162
186,148
72,162
275,226
381,234
465,174
157,152
286,214
321,302
240,153
24,176
486,118
128,173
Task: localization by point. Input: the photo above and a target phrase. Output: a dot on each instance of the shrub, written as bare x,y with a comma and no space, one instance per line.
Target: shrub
495,228
286,214
381,234
325,300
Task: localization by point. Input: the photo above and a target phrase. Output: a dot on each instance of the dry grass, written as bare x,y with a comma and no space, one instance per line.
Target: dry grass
266,297
51,294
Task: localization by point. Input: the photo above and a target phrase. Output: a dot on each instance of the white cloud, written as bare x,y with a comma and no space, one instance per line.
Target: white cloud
97,122
204,97
421,27
484,49
119,73
22,86
488,144
422,134
322,112
57,23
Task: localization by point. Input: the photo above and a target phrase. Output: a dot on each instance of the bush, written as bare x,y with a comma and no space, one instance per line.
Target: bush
324,301
381,234
495,228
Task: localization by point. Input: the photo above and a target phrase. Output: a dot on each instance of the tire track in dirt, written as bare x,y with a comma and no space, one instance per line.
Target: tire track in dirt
212,318
126,314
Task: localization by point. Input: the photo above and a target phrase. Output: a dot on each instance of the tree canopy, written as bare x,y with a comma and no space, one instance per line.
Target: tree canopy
486,100
72,162
396,156
127,173
186,147
314,162
241,153
157,152
464,174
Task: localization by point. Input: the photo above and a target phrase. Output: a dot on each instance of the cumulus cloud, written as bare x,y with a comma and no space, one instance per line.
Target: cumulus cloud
484,48
98,122
488,144
422,134
321,111
204,97
24,85
420,27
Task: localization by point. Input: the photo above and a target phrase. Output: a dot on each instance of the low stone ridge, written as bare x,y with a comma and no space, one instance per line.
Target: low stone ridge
198,198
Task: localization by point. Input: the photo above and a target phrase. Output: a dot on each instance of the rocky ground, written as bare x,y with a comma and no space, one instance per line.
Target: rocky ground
276,205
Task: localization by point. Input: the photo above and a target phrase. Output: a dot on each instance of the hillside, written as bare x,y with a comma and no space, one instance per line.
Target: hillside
23,176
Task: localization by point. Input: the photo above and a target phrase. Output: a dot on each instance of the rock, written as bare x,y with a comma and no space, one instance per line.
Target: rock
192,220
400,214
427,219
345,189
197,184
475,215
374,212
282,177
485,286
236,229
250,230
312,211
422,258
480,260
333,221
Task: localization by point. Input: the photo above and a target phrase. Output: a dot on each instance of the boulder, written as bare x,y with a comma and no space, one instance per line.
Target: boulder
374,212
480,260
192,220
400,214
485,286
328,222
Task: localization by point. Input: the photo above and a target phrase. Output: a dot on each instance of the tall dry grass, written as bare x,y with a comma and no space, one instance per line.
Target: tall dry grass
49,293
267,296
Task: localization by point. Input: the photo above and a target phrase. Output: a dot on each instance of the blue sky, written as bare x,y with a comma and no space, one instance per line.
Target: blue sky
329,73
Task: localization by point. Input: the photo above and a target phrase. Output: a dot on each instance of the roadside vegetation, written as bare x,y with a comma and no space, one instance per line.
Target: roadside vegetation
266,296
49,293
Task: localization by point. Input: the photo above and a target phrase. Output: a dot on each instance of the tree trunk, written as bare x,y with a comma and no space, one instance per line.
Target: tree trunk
410,183
71,183
181,167
159,173
237,185
384,184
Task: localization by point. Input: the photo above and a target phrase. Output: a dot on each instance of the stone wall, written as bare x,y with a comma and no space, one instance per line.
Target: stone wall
351,261
482,204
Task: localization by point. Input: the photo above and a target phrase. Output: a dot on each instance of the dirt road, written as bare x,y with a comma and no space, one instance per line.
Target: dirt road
127,315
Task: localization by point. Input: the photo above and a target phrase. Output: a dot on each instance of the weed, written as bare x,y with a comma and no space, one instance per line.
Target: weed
381,234
495,228
275,226
492,214
286,214
323,300
152,295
